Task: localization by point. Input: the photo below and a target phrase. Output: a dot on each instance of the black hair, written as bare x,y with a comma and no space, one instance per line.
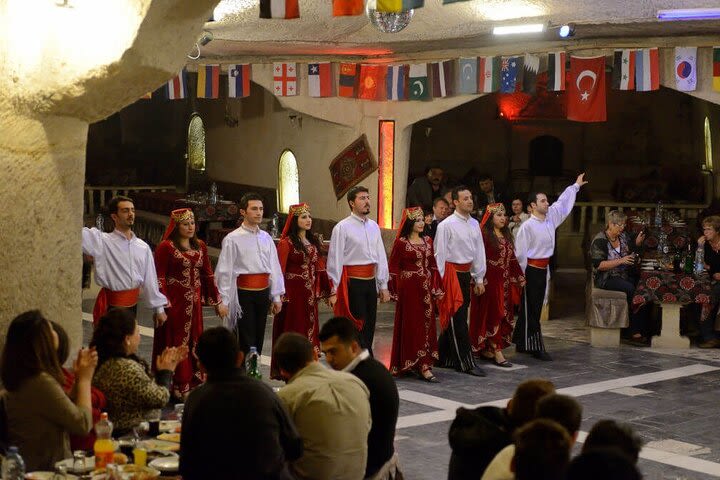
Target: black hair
407,228
292,352
484,176
63,349
114,203
438,200
341,327
217,349
611,434
532,196
109,336
563,409
456,191
602,464
353,192
293,235
245,199
542,451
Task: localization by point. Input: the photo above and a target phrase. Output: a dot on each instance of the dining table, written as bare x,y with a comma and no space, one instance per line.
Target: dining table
672,290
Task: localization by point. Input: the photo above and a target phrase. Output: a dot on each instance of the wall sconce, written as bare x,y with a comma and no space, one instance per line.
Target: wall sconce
295,120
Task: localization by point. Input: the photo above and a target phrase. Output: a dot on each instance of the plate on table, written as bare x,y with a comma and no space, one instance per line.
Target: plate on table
169,426
166,464
46,476
129,472
169,437
161,445
68,464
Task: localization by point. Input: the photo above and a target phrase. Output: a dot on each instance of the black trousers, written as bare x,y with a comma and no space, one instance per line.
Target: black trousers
363,305
454,347
527,335
255,305
133,309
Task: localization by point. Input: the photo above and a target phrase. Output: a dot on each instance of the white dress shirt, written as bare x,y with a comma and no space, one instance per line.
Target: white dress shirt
536,237
122,264
459,240
355,241
247,251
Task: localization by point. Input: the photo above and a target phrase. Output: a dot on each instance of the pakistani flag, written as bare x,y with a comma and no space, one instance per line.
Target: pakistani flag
418,84
467,75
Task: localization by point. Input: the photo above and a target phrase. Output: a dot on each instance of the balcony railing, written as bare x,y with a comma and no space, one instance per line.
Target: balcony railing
97,196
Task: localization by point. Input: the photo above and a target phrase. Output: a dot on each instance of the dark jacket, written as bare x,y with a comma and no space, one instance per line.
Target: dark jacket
599,252
384,407
501,196
476,436
421,194
235,427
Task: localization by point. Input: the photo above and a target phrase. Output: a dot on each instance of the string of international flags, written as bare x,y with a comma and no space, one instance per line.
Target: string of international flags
584,83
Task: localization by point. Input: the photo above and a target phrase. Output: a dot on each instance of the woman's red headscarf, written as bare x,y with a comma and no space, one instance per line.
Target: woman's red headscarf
295,211
491,209
177,216
412,213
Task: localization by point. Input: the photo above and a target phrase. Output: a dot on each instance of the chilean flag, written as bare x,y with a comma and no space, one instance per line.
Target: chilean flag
647,70
320,79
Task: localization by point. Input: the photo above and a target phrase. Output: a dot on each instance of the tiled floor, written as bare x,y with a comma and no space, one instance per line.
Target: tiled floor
671,398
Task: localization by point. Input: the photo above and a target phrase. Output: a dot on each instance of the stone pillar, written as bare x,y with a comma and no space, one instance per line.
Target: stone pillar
42,171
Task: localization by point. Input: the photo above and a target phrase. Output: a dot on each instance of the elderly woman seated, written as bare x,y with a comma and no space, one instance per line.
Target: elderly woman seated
710,240
613,253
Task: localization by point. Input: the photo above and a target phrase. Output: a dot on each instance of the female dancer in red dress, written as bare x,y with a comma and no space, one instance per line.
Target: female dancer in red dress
306,280
492,314
415,283
186,279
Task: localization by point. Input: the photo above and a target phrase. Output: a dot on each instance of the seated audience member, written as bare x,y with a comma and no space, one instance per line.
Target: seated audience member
542,451
97,399
123,377
423,190
562,409
441,210
602,464
477,435
489,193
710,240
340,342
330,410
233,426
611,434
518,215
613,253
447,195
39,413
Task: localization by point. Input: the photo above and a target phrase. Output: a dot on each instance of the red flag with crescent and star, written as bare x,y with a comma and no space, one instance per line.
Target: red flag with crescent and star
586,90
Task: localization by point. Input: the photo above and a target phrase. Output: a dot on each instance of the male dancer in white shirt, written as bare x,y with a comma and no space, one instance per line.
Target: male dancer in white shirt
248,274
534,245
357,266
460,257
123,265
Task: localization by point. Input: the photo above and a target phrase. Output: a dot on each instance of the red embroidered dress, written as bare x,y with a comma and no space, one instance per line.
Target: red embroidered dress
186,279
492,313
306,282
414,280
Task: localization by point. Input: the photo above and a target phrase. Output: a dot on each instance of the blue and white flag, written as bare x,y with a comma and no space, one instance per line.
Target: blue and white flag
686,68
468,75
509,69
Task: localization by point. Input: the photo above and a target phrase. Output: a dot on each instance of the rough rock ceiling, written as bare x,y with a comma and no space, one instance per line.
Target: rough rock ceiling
463,26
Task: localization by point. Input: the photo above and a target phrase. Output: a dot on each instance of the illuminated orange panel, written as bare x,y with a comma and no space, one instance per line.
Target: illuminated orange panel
386,164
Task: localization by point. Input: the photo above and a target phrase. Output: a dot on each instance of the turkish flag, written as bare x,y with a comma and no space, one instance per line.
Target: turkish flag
586,90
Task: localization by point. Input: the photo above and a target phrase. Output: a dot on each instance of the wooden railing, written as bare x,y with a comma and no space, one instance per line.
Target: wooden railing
586,213
97,196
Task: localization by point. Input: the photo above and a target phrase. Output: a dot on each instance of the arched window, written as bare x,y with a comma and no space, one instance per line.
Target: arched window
708,146
196,143
288,181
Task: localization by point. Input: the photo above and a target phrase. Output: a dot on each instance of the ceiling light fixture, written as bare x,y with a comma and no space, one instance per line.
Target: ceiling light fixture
519,29
566,31
387,22
689,14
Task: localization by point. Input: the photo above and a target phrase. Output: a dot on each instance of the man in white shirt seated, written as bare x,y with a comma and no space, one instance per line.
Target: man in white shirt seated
124,265
248,274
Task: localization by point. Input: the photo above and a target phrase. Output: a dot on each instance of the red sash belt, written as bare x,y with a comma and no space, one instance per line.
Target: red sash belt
361,271
461,267
253,281
113,298
342,305
539,262
453,298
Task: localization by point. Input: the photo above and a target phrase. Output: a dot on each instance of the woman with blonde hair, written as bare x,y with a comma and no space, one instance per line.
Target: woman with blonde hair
710,240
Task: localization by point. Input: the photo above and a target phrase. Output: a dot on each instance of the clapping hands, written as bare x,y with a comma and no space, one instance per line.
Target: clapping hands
85,363
170,357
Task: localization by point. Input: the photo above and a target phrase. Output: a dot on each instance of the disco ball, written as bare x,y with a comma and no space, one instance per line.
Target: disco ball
389,22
